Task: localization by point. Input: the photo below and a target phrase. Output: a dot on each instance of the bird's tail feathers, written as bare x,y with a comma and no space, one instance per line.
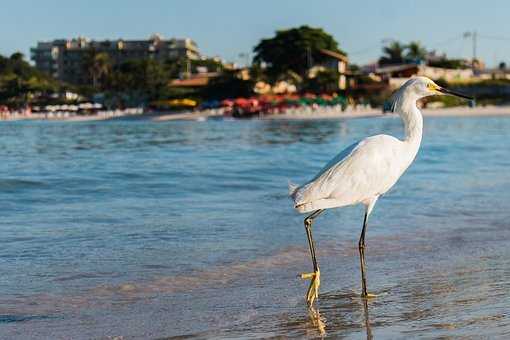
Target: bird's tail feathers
292,189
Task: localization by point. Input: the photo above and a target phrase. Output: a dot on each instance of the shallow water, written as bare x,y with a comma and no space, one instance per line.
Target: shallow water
155,230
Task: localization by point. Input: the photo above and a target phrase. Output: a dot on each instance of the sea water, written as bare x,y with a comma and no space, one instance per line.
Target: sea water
151,230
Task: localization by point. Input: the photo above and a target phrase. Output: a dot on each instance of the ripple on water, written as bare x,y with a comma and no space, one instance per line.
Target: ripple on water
15,185
10,318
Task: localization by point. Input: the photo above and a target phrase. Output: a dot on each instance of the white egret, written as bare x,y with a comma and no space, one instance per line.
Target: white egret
364,171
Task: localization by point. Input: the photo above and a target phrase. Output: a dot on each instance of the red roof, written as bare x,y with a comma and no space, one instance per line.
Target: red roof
198,80
335,55
191,82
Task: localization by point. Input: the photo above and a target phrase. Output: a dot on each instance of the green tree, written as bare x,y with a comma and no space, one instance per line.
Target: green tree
176,67
212,65
17,57
138,81
228,85
21,83
415,51
449,63
393,54
97,65
295,50
324,81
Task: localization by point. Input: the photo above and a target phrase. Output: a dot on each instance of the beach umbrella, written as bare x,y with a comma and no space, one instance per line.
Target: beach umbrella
227,102
205,105
189,102
182,102
242,102
291,101
85,106
305,101
320,101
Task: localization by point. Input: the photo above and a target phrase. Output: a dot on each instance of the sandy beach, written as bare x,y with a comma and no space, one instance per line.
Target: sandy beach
460,111
73,117
302,114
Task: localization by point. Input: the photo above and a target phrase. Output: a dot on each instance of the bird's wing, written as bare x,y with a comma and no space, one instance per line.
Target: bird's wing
364,169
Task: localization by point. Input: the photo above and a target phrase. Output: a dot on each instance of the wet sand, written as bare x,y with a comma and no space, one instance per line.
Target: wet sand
460,290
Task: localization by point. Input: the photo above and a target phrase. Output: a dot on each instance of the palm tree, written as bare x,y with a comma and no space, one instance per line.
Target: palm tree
393,54
415,51
98,66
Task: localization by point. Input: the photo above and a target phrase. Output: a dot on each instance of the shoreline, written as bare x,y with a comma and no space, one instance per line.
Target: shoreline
459,111
305,114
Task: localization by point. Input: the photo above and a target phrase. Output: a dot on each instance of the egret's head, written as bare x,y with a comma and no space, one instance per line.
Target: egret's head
416,88
424,87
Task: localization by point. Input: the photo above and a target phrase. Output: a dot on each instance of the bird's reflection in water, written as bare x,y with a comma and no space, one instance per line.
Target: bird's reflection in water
317,321
340,309
367,319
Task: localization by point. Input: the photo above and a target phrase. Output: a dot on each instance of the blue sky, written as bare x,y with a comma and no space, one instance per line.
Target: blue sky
228,28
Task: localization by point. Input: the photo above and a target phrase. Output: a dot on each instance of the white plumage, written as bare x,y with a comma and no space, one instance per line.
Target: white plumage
369,168
359,174
365,170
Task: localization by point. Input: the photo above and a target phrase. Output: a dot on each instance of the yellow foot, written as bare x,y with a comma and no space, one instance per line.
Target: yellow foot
313,289
368,296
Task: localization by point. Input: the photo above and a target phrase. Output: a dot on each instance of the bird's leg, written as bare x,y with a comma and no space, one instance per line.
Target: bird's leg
313,289
361,246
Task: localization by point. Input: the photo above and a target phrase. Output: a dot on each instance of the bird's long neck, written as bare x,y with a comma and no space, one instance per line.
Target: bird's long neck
413,122
404,103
